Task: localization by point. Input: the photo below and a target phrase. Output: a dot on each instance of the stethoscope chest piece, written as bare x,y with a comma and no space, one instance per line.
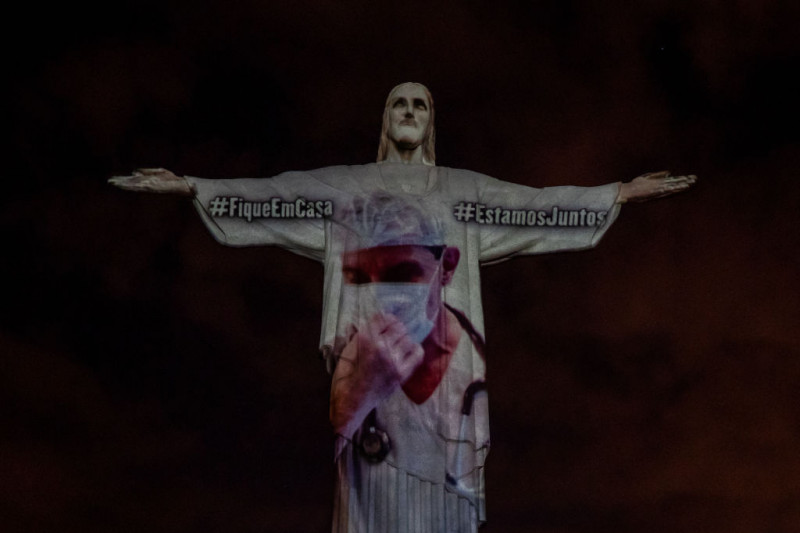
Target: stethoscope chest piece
374,443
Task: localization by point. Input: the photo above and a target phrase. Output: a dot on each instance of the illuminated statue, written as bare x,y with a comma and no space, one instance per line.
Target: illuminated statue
401,241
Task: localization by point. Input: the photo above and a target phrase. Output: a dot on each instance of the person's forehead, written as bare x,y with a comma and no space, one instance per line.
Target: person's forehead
409,91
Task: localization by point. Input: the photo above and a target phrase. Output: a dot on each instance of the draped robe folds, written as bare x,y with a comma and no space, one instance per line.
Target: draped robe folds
432,478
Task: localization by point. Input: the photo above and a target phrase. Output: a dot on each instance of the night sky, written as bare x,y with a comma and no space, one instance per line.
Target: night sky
155,381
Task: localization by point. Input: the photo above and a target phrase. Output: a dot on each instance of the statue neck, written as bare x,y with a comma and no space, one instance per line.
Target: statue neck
400,154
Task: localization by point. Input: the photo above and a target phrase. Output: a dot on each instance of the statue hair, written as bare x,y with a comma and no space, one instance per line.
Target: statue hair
428,144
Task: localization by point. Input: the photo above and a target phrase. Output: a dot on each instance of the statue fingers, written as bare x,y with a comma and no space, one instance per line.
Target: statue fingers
128,183
690,179
157,174
157,180
655,175
668,188
151,171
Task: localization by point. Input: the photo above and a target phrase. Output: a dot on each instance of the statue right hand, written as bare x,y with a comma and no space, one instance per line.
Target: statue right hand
158,180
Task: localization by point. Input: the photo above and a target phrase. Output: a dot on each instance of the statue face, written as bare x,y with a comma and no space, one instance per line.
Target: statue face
409,114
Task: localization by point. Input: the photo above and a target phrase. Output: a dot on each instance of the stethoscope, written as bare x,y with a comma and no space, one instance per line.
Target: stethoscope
374,444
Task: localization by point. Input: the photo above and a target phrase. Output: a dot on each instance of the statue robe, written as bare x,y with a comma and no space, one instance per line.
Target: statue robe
432,478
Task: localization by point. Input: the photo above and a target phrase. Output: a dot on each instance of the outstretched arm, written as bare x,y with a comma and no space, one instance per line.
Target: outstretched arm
158,180
238,212
654,185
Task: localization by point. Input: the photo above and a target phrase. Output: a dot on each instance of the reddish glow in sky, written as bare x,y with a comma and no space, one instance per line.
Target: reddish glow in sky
155,381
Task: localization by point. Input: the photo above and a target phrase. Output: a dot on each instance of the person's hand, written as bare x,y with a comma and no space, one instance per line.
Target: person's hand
654,185
375,362
157,180
385,356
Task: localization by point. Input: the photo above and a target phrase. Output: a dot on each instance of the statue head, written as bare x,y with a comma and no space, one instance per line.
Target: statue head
408,122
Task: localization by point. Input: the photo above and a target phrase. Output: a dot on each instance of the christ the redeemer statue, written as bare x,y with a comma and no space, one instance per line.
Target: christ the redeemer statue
401,241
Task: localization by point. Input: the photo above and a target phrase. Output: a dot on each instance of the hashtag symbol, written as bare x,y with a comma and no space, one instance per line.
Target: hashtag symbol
218,206
464,212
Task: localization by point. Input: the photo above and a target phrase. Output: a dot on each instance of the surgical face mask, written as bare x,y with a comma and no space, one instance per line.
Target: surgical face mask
408,302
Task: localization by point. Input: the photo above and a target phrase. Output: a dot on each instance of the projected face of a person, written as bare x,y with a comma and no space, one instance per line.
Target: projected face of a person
390,264
409,115
405,281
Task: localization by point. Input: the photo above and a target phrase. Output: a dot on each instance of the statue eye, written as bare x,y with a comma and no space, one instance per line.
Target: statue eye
419,103
400,102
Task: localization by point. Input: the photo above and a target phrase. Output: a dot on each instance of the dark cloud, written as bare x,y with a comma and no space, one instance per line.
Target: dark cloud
153,380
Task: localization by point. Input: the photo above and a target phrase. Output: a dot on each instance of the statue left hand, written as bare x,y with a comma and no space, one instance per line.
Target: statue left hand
654,185
159,180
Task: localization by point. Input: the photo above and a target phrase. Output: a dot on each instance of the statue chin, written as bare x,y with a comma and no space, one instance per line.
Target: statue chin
407,136
408,145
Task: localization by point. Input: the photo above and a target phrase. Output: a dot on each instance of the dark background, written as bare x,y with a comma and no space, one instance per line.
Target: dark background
153,380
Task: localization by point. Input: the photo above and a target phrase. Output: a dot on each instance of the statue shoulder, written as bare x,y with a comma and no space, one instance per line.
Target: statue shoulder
342,173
